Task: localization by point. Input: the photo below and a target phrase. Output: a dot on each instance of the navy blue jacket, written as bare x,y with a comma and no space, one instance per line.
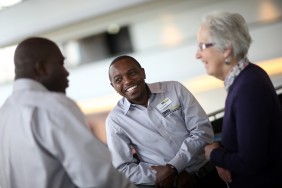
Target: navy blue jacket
252,132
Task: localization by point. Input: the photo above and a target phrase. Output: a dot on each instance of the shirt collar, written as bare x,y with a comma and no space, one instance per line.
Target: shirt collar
154,88
235,71
27,84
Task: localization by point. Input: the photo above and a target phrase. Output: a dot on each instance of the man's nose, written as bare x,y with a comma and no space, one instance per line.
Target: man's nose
126,79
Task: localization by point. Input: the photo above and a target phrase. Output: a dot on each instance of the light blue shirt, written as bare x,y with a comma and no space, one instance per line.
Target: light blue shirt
46,143
172,129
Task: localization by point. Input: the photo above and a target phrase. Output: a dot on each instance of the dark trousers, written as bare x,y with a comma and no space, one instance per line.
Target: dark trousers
210,180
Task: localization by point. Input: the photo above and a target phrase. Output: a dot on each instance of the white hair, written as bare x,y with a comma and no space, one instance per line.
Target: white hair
228,30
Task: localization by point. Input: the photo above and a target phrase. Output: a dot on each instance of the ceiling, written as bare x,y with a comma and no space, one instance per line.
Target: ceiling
34,17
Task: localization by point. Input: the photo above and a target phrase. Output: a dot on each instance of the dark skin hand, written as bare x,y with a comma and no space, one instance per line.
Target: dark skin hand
165,176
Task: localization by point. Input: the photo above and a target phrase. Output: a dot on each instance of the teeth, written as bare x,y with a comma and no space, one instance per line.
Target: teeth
129,89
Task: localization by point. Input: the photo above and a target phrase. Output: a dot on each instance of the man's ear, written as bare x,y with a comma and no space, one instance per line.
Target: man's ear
40,69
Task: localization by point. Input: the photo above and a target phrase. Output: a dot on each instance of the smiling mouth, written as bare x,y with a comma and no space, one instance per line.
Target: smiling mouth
131,88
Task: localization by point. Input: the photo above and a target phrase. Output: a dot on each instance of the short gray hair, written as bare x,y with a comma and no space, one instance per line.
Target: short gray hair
228,30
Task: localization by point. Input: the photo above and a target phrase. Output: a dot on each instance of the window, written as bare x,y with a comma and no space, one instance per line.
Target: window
97,47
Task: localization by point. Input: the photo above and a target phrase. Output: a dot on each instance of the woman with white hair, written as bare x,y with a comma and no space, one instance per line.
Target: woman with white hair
250,152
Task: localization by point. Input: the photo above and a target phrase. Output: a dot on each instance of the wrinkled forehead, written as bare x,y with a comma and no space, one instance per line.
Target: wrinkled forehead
122,66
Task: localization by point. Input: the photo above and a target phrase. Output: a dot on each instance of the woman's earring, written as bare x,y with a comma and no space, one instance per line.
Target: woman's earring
227,61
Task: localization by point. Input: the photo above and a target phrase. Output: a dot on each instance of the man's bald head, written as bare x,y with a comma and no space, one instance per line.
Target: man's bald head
29,53
40,59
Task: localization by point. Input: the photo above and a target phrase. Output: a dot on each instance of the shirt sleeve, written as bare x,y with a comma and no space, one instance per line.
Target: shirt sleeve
123,159
65,135
200,131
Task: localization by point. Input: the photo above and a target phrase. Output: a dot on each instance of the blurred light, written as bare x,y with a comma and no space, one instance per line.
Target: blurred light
71,52
99,104
113,28
171,34
7,73
203,83
8,3
272,67
268,11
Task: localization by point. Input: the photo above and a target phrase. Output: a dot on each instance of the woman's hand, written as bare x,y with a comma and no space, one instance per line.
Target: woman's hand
209,148
224,174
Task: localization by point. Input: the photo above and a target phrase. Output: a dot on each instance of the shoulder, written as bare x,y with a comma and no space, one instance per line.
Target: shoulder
63,100
170,83
254,70
50,101
170,88
176,86
253,76
64,103
252,84
165,85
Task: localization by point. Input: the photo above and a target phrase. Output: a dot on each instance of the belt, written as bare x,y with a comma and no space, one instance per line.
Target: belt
204,170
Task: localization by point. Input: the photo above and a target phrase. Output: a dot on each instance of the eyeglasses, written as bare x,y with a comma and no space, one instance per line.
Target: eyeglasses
203,46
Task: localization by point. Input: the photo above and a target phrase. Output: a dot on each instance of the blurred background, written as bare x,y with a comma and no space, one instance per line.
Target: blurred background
160,34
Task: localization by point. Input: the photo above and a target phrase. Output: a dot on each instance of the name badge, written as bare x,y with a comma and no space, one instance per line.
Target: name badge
163,104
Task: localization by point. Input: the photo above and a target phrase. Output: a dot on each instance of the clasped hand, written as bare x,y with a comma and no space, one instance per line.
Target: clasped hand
224,174
166,177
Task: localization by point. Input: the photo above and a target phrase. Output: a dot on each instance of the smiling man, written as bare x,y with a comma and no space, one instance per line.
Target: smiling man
165,125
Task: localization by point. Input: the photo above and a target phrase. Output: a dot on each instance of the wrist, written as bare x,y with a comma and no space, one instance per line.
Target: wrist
173,168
